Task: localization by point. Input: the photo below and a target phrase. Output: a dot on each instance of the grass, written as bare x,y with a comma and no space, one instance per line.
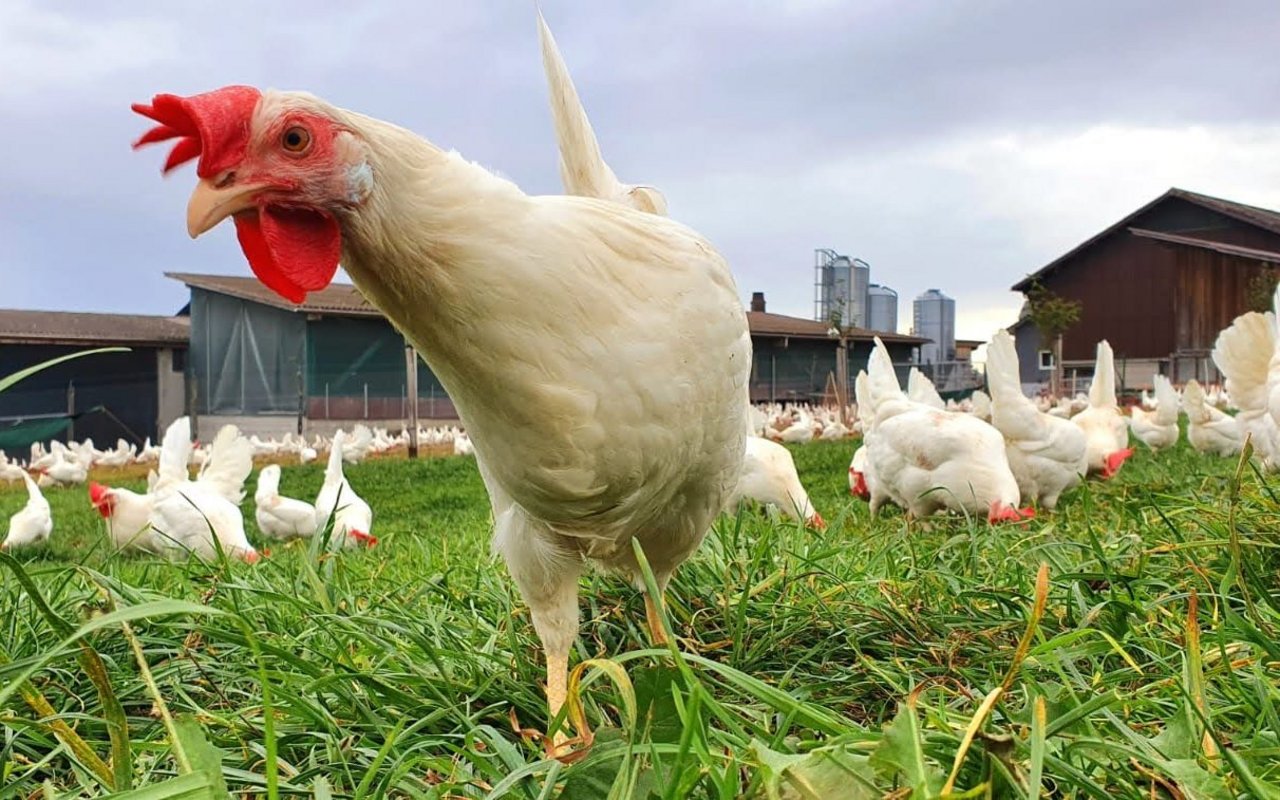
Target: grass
873,660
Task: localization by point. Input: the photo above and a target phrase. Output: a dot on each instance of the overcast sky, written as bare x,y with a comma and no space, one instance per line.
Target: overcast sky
951,145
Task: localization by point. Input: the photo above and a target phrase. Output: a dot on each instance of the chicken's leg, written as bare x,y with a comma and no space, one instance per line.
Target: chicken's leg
548,582
653,612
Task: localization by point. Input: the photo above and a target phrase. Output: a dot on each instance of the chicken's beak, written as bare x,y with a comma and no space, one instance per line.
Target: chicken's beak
211,204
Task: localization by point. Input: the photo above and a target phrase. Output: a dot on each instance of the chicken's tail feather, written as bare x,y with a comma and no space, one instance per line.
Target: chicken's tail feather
1102,391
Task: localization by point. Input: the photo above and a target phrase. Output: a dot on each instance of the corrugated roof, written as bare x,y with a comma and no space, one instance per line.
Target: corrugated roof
762,323
1263,218
343,299
71,327
1269,256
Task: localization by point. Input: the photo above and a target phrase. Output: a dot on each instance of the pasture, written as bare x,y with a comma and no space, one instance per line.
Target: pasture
875,659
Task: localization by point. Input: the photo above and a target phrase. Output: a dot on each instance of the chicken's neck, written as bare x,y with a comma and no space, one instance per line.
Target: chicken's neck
429,238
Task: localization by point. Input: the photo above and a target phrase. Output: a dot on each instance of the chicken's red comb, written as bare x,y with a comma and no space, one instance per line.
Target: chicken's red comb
213,126
363,538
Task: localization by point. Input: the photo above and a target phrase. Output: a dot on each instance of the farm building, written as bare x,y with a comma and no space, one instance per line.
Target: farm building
129,395
270,366
793,357
1158,285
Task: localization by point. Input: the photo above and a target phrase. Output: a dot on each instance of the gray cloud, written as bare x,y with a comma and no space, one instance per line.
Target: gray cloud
933,139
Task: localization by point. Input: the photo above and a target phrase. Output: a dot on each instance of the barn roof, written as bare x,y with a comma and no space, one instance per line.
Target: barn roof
1263,218
79,328
1269,256
765,324
343,299
340,299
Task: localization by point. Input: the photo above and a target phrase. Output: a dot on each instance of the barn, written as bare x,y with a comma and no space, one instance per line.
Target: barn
270,366
793,356
1159,285
129,395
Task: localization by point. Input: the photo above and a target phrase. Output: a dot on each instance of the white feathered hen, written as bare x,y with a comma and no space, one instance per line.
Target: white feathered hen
202,517
545,318
1209,430
1158,428
1105,430
337,501
1046,453
33,523
769,477
280,517
925,459
1243,353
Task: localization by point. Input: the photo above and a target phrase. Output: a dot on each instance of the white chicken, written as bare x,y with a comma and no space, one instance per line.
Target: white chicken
921,390
545,318
1209,430
462,445
202,517
769,477
33,523
1243,353
1157,428
925,459
1046,453
280,517
583,170
352,519
1105,430
859,479
10,470
980,405
357,446
63,469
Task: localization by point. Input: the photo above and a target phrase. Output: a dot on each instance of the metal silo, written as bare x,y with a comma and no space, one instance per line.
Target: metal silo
935,319
840,288
860,272
882,308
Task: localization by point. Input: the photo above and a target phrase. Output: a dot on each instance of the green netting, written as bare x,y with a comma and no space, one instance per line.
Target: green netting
246,357
20,436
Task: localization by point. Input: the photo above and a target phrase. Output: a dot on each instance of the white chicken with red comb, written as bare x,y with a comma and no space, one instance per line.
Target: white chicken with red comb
597,355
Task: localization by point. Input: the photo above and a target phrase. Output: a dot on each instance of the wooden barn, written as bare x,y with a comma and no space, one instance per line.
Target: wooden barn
1158,285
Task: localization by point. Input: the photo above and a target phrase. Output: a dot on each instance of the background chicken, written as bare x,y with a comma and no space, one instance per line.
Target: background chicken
33,523
1047,454
769,476
925,459
1105,430
1243,353
1158,428
338,503
280,517
1209,430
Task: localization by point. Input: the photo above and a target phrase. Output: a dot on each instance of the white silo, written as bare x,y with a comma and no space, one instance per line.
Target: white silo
882,309
934,318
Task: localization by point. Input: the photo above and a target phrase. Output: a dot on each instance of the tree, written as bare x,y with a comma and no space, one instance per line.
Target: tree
1053,316
1260,292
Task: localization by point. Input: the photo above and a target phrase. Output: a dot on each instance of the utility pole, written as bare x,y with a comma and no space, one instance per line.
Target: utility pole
411,384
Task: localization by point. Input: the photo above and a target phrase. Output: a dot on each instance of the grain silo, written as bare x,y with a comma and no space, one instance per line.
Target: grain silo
841,284
935,319
882,308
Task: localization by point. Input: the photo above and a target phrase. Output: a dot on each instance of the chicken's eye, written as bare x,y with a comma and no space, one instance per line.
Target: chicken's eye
296,140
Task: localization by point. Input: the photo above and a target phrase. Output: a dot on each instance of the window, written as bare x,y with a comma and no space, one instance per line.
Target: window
1046,359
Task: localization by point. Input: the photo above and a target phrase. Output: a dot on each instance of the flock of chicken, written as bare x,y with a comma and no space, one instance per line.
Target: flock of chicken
69,464
179,516
595,348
